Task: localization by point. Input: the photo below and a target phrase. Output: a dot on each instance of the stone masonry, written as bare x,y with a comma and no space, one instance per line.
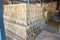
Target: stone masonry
26,21
23,19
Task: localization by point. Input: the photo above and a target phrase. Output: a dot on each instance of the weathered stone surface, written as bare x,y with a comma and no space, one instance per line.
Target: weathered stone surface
17,17
23,13
11,36
16,12
27,33
48,36
17,29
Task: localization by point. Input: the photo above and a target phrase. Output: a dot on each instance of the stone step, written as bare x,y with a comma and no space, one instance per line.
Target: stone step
48,36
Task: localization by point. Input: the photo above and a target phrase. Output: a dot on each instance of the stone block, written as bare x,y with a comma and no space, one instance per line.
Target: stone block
16,12
23,13
48,10
27,33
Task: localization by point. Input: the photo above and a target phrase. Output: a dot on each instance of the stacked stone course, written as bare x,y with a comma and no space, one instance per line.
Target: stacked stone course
27,20
23,19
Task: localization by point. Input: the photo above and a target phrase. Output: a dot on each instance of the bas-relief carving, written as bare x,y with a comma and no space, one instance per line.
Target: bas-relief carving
23,13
